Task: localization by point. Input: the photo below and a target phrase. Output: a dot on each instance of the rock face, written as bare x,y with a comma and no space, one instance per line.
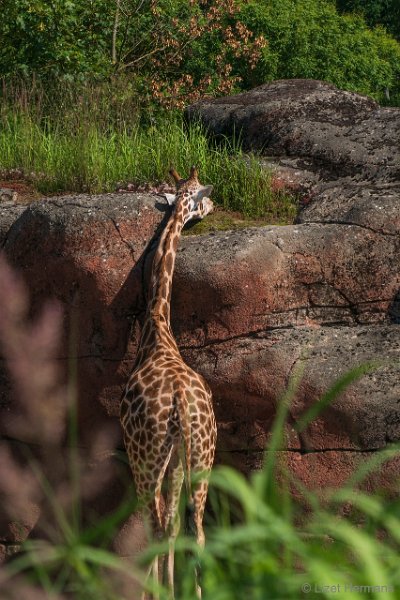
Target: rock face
9,211
251,307
342,132
87,253
341,152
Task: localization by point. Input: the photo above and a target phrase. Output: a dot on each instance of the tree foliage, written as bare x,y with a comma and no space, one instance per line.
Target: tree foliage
375,12
173,51
309,39
60,38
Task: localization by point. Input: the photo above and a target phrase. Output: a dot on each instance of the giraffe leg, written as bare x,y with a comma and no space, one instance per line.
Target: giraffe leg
153,572
176,475
199,502
156,517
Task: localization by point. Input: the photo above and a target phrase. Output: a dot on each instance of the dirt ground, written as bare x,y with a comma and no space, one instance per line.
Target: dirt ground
26,192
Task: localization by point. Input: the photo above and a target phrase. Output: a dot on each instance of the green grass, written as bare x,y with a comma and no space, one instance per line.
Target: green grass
73,148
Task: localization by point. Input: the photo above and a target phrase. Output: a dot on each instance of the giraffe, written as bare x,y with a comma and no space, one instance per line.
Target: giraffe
166,410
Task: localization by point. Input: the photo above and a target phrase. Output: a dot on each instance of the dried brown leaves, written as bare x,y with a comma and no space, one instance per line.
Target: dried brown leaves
219,23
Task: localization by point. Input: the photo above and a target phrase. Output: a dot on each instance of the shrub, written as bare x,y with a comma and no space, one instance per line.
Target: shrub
375,12
60,38
308,39
174,51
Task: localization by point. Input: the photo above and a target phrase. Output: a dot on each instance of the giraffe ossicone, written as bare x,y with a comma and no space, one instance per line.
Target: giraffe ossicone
166,411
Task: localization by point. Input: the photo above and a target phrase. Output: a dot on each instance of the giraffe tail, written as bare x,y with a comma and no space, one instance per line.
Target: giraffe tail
185,428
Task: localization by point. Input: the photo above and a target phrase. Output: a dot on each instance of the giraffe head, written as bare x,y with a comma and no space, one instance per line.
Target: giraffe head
191,196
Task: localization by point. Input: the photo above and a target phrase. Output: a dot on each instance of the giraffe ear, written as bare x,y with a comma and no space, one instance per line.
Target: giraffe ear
170,198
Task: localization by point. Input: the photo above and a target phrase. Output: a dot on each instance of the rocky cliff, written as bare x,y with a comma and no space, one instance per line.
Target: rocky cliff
248,306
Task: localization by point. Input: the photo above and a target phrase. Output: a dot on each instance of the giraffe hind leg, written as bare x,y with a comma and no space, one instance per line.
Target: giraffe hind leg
151,498
199,503
172,524
153,513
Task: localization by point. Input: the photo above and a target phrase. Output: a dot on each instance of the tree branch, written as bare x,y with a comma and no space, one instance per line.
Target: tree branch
115,32
133,62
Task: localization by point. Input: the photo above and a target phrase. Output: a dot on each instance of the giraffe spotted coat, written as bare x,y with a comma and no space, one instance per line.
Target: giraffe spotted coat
166,412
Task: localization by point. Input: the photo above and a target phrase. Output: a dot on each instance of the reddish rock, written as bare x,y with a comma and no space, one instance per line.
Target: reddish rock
231,283
324,471
365,416
248,306
88,253
226,285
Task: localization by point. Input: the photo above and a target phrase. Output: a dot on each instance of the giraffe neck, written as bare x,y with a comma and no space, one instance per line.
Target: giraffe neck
157,329
163,268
